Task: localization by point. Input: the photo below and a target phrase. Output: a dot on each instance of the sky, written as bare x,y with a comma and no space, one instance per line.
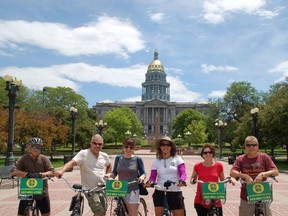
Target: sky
102,48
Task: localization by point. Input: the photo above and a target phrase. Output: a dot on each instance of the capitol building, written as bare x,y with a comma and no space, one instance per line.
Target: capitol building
155,110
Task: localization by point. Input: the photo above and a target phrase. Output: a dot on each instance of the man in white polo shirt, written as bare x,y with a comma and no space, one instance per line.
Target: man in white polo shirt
93,165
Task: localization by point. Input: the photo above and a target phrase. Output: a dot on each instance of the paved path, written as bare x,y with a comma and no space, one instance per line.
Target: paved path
61,195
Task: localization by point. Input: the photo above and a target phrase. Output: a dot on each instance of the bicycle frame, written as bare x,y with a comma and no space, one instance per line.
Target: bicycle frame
121,207
213,211
259,205
77,205
167,185
31,207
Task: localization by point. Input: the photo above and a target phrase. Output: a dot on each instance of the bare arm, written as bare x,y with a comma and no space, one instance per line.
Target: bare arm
69,165
236,174
109,168
222,176
193,176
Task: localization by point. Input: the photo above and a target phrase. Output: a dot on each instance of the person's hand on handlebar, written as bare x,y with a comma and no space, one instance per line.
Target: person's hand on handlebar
149,184
33,175
181,183
58,173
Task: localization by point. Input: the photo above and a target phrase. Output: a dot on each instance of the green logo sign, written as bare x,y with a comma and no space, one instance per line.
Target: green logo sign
116,188
259,192
31,186
213,190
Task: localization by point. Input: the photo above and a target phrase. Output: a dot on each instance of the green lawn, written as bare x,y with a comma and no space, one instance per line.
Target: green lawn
282,164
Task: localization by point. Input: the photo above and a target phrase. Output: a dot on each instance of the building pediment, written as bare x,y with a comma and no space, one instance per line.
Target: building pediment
156,102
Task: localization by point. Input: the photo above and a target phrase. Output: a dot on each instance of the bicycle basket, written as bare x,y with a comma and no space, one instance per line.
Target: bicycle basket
213,190
116,188
32,186
259,192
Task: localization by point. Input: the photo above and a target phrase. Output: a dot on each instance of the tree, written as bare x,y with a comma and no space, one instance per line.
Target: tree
274,117
119,121
198,131
240,97
184,119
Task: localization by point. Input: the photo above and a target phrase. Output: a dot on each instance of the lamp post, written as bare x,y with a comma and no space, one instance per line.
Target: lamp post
73,112
100,126
128,133
12,86
165,132
254,113
144,134
44,90
188,134
220,125
180,140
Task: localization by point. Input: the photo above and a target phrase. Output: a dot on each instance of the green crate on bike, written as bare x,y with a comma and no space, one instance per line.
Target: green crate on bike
116,188
213,190
32,186
259,192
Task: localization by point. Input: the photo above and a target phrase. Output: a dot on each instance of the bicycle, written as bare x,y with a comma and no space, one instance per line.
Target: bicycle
27,190
118,206
212,192
166,187
259,193
77,202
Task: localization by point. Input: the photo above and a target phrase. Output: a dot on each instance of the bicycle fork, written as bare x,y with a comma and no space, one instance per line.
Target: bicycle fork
259,209
165,205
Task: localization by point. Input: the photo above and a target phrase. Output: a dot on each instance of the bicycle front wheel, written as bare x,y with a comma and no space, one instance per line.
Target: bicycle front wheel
116,209
142,209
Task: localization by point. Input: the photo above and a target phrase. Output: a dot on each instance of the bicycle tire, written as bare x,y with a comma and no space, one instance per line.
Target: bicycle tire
115,211
32,209
78,209
79,206
142,209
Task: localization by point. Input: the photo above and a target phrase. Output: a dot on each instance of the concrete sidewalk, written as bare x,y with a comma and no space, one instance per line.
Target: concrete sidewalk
61,194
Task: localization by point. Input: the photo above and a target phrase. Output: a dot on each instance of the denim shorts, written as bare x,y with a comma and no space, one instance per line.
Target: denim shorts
133,197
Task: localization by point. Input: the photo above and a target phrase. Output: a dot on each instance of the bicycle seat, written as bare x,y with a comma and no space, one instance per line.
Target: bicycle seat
77,186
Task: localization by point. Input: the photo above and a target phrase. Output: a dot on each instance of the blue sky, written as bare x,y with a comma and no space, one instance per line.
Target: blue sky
102,48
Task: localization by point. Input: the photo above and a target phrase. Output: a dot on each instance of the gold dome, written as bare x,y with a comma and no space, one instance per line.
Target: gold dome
156,65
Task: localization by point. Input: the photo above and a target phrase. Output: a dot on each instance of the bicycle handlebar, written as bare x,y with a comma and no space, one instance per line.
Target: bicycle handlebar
78,187
167,184
226,180
243,181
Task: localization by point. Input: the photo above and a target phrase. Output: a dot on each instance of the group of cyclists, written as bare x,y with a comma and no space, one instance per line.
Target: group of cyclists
95,167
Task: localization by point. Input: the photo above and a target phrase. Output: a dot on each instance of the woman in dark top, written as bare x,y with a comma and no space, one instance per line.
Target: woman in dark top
128,167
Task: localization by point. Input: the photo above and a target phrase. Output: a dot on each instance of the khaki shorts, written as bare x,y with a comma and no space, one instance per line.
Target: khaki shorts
246,208
97,201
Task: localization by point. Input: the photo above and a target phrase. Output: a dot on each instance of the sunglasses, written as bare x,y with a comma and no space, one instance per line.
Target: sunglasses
163,144
251,145
208,152
97,144
36,147
127,146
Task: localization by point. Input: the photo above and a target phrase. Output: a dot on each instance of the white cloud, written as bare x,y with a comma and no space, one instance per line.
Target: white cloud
156,17
217,94
215,11
179,92
208,68
281,68
70,75
107,35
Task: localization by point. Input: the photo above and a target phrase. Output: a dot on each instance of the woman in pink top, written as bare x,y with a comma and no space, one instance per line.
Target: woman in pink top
207,171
